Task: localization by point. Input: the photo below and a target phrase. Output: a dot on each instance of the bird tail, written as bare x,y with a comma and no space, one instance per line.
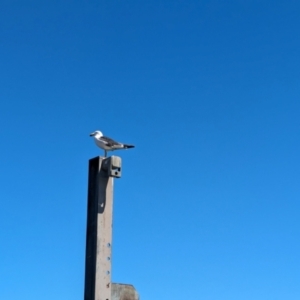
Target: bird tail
128,146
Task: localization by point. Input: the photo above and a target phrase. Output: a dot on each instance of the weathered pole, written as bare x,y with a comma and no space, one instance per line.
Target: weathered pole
99,227
98,285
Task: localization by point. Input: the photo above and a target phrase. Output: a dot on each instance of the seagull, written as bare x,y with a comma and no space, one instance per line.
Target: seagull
106,143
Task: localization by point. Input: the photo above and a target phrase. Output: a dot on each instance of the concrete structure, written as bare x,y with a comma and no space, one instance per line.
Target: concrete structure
124,292
98,284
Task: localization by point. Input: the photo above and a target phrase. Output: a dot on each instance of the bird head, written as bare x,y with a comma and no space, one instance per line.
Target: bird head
96,133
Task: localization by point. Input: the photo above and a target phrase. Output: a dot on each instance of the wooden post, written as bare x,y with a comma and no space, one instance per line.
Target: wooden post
99,233
98,285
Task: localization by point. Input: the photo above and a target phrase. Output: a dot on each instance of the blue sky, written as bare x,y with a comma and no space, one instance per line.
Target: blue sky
208,91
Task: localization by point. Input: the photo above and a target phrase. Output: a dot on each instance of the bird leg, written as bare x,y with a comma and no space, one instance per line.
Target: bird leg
105,153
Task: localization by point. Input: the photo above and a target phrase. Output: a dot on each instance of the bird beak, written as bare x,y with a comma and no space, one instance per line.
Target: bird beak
92,134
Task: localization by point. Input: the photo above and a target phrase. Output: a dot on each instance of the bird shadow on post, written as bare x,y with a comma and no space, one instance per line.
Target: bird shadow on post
103,182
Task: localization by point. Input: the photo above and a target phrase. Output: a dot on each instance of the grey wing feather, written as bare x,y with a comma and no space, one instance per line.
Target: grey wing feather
110,142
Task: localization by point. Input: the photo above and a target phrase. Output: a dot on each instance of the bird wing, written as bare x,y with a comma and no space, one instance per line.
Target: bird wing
109,142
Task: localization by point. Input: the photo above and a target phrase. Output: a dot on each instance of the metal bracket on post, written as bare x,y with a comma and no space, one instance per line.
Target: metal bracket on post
112,165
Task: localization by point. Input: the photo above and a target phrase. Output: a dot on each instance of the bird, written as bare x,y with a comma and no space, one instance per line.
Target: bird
108,144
